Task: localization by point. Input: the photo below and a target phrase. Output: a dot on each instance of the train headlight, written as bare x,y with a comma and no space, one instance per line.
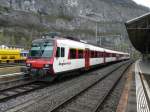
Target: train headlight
47,65
28,65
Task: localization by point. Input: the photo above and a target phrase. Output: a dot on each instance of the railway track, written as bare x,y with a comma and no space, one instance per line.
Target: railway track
3,65
91,98
60,97
15,91
15,82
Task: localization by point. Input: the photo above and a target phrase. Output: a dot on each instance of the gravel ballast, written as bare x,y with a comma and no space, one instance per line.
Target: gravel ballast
49,97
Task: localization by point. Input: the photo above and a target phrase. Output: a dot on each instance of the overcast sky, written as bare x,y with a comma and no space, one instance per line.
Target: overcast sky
143,2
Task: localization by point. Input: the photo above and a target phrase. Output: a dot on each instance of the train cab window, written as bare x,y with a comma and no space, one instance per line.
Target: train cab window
72,53
62,52
58,52
95,54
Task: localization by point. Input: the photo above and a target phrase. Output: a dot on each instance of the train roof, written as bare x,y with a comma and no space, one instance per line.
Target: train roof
83,45
112,51
77,43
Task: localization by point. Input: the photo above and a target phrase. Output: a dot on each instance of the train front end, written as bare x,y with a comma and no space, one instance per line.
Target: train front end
40,60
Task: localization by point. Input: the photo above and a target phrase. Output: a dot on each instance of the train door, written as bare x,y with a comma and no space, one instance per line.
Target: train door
104,56
87,59
117,57
60,58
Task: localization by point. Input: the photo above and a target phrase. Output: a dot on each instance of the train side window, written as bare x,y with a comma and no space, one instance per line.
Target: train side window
72,53
58,52
97,54
106,54
114,55
62,52
92,54
110,55
80,54
101,54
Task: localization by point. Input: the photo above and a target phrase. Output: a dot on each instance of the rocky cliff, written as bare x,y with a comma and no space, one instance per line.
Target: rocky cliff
23,20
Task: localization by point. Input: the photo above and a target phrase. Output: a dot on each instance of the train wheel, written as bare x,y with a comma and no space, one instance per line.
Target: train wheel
27,76
47,78
59,77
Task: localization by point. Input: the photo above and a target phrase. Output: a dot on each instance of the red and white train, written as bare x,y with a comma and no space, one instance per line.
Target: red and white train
52,56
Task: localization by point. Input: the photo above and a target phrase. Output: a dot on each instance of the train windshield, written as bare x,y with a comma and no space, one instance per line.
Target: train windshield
41,50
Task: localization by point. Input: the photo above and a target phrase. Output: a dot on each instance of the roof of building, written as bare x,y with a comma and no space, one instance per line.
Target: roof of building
139,32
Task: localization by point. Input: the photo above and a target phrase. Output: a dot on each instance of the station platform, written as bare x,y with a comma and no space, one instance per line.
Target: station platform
136,94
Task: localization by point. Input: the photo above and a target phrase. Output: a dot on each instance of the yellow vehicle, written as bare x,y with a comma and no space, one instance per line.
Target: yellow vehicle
11,55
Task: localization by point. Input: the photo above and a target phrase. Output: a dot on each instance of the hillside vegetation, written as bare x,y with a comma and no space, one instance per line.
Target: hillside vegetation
23,20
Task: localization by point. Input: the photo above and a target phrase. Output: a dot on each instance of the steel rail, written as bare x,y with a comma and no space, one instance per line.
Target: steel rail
12,92
86,89
101,101
10,65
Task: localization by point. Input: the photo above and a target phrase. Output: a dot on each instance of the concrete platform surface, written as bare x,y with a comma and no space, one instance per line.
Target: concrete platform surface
136,94
144,67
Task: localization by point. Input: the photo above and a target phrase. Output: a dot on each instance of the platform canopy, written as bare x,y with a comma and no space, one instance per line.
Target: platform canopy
139,33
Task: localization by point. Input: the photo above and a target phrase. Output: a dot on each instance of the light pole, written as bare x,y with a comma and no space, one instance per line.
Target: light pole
96,24
96,31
